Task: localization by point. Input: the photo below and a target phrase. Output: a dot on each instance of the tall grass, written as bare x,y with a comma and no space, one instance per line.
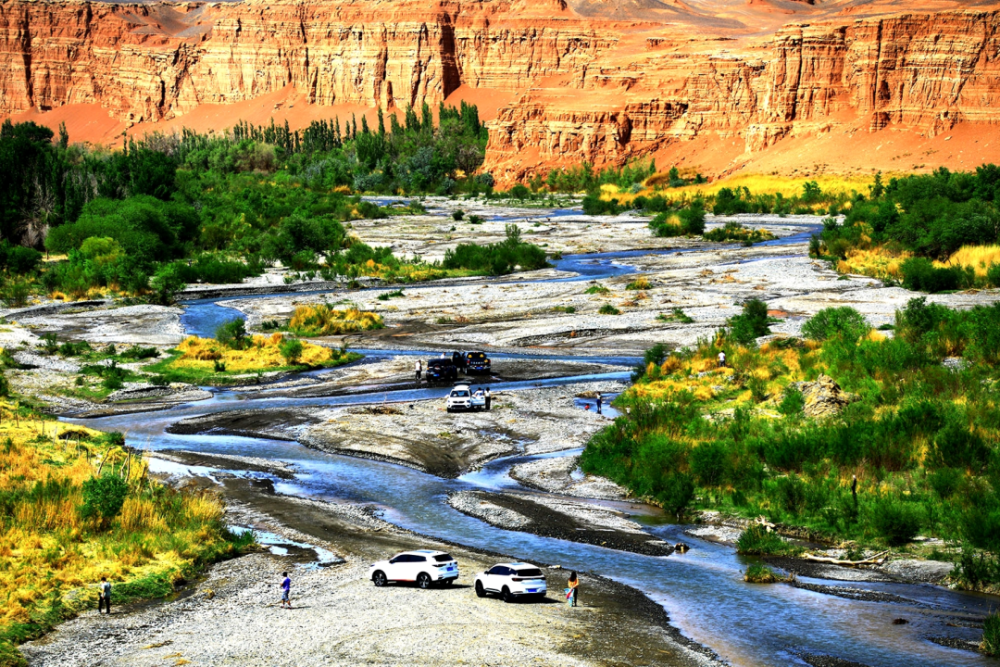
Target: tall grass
53,555
323,320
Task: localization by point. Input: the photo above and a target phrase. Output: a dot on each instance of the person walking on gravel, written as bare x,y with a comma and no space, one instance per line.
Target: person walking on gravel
104,595
573,589
488,399
286,591
600,403
418,367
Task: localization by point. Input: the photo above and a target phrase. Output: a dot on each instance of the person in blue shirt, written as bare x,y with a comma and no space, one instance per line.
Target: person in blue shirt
286,591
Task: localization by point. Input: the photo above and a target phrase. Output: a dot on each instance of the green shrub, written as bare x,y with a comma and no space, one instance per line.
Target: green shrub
608,309
497,258
762,574
457,214
103,497
829,322
793,402
232,334
597,289
751,324
895,521
920,274
676,492
991,635
564,309
291,350
709,463
757,540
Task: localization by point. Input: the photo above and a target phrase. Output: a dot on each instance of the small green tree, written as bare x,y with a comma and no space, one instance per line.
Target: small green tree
751,324
829,322
103,497
232,334
166,283
291,350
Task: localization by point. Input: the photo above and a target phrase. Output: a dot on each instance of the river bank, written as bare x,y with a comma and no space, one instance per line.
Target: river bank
339,618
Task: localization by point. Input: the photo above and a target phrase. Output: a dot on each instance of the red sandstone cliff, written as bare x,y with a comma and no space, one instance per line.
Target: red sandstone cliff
586,86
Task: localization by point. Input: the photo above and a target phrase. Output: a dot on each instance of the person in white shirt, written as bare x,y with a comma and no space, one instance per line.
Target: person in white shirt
722,359
418,367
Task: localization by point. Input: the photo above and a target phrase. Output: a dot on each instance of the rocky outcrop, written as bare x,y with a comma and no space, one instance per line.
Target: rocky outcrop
823,397
603,87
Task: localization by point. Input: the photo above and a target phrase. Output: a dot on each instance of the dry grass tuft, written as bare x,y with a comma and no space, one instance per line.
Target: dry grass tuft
322,320
980,258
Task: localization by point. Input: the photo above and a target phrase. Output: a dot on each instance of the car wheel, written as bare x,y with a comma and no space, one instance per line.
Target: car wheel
480,591
505,594
423,580
379,579
449,410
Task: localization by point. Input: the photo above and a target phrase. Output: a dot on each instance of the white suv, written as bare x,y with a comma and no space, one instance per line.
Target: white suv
424,566
511,580
463,398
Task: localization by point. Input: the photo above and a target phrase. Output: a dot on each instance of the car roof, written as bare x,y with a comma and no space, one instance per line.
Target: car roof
461,386
425,552
516,565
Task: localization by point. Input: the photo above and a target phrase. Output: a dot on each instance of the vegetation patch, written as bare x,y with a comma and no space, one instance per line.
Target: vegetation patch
770,433
762,574
78,506
734,231
676,315
324,320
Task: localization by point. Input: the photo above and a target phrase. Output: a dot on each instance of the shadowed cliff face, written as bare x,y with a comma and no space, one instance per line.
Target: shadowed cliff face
601,81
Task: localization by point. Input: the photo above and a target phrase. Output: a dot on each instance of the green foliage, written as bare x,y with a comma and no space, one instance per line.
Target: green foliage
757,540
18,260
497,258
676,315
792,403
751,324
608,309
734,231
761,574
843,321
597,289
232,334
897,522
291,350
991,634
395,294
920,275
103,497
689,221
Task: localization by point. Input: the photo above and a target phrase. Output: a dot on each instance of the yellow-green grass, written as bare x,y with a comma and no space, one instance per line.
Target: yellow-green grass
51,557
205,361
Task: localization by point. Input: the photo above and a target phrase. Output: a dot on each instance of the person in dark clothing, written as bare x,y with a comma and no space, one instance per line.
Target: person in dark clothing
104,595
600,402
488,399
854,488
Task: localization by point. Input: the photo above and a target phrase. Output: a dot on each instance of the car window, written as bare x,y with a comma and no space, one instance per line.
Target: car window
443,558
529,572
460,393
398,559
417,559
498,569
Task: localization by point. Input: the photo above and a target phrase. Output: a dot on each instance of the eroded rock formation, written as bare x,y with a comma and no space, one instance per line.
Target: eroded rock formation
586,85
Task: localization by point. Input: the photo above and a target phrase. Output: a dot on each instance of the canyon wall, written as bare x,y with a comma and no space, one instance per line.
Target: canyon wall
585,88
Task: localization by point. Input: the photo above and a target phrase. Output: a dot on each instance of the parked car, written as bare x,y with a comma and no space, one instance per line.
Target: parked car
477,363
462,397
425,567
441,370
511,581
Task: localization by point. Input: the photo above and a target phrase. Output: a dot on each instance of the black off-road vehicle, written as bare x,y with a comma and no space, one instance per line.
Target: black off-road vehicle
477,363
441,370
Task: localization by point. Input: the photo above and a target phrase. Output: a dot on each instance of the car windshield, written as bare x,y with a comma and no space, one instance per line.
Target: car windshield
461,393
530,572
443,558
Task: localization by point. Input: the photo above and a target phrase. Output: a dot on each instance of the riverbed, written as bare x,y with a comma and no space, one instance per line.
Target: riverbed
289,429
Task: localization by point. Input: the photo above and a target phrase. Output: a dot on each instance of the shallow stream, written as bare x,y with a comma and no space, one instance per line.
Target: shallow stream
702,590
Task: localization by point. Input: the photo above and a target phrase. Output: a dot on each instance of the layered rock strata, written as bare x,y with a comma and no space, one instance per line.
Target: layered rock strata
585,87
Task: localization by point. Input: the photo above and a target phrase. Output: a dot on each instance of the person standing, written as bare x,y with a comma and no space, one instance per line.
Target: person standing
488,399
573,589
286,591
600,402
104,595
854,488
418,367
722,359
